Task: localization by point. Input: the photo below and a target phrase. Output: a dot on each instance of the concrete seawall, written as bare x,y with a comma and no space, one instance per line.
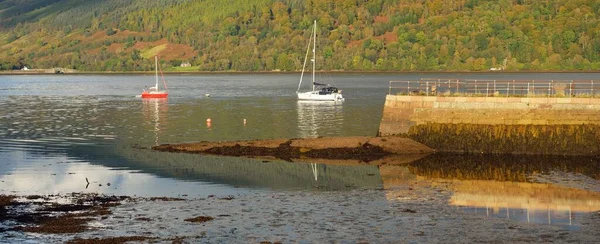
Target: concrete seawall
540,125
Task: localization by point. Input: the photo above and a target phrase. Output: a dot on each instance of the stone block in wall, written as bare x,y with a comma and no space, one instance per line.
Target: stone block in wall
564,100
513,100
430,99
539,122
525,122
428,104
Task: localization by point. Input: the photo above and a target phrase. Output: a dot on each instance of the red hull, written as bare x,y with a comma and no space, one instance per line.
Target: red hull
154,95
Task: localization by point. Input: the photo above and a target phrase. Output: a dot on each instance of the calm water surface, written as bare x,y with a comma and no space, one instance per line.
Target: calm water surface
56,131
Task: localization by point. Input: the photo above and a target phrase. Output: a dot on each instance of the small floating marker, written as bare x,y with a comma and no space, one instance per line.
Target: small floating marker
208,120
207,95
244,121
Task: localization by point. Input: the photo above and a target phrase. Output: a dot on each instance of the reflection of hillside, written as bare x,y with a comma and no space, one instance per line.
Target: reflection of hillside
500,168
252,173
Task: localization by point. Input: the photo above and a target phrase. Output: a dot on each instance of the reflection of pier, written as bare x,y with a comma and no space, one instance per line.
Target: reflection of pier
531,202
314,116
531,196
498,186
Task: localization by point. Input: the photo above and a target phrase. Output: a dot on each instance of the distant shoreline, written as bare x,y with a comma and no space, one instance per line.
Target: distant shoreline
47,72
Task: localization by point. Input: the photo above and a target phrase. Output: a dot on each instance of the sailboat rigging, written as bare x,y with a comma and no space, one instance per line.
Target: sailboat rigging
154,92
320,91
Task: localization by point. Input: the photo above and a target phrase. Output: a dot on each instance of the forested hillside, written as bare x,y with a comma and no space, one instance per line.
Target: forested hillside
265,35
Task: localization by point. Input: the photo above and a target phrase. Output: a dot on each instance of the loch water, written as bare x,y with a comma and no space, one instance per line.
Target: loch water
59,132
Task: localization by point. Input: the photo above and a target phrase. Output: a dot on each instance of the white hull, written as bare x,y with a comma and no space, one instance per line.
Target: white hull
315,96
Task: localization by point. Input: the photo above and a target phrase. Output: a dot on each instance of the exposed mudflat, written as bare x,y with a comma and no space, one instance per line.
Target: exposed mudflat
363,149
416,212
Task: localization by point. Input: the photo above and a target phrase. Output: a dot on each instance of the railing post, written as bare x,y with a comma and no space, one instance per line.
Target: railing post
515,91
549,87
487,89
570,88
527,89
507,88
427,88
456,86
494,86
390,88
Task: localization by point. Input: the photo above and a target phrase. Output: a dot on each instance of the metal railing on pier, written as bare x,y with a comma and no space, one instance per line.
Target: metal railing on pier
507,88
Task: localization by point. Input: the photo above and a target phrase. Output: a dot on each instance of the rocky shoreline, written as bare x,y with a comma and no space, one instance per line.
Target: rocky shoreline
417,212
358,149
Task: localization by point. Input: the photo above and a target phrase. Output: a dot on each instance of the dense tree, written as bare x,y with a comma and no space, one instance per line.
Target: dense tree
254,35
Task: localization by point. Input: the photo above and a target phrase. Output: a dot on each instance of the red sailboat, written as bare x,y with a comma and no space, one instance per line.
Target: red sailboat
153,92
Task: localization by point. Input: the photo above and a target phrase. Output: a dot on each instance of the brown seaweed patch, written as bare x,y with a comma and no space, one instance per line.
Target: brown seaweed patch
166,199
57,218
34,197
58,225
199,219
6,200
284,151
111,240
365,152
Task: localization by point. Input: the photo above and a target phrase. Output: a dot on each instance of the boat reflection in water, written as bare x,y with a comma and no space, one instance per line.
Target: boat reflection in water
315,116
319,118
152,110
512,186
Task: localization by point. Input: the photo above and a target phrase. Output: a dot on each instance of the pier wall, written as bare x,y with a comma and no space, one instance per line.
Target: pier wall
491,124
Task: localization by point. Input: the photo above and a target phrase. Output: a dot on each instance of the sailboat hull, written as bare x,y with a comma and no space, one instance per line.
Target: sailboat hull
154,94
315,96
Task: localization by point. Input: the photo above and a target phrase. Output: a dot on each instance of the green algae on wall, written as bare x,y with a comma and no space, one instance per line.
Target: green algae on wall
515,139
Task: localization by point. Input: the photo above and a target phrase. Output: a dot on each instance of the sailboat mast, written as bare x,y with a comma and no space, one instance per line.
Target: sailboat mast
156,71
314,59
304,64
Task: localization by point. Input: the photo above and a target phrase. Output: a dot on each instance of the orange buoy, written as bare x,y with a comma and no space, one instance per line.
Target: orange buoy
208,120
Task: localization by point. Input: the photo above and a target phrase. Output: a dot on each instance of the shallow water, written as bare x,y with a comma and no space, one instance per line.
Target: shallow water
57,133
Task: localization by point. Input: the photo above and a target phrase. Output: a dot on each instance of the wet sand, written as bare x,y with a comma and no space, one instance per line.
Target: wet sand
405,210
417,212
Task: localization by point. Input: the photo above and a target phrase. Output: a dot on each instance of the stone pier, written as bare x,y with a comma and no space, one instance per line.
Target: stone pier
488,124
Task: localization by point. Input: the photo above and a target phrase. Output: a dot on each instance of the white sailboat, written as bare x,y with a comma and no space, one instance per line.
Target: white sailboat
320,91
